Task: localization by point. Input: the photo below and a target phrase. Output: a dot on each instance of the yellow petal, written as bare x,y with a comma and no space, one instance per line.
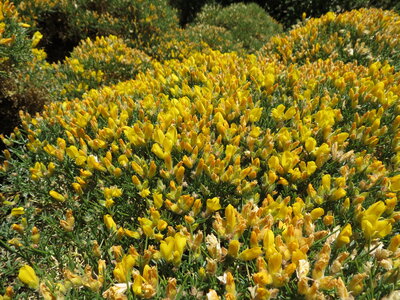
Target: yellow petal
250,254
57,196
110,224
28,276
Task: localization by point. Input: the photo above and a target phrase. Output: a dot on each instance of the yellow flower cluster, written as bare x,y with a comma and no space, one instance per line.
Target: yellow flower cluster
142,23
245,176
7,12
365,36
103,61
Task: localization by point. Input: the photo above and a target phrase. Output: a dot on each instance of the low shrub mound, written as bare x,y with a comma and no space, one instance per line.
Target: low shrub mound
217,38
249,33
24,74
217,175
289,12
99,62
65,23
363,36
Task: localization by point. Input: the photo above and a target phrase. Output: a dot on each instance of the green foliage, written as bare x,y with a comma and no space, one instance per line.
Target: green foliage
15,44
25,78
250,33
218,38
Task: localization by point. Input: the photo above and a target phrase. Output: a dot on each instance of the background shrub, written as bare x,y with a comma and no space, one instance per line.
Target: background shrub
26,80
286,12
363,36
98,62
65,23
289,12
218,38
249,32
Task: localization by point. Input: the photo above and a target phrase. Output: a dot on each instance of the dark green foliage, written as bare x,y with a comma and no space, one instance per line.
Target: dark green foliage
218,38
249,33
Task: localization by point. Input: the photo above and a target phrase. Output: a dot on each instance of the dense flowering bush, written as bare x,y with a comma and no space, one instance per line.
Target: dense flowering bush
214,165
365,36
66,22
247,25
212,175
218,38
103,61
23,72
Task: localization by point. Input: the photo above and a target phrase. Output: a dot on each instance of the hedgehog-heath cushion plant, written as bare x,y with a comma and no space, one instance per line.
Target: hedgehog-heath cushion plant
218,38
67,22
25,77
98,62
363,36
249,26
215,175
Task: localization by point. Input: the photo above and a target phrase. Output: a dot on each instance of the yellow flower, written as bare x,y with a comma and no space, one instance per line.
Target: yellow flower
370,223
144,193
35,237
269,242
275,263
57,196
356,285
395,183
394,243
250,254
109,221
317,213
338,194
122,270
28,276
310,144
278,112
172,248
230,215
233,248
213,205
289,160
137,284
326,182
69,223
17,211
269,80
262,278
157,150
344,236
212,295
37,36
255,114
157,200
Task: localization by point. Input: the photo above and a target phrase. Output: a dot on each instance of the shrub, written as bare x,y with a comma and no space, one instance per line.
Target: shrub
218,38
289,12
25,78
65,23
363,36
99,62
210,175
250,33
